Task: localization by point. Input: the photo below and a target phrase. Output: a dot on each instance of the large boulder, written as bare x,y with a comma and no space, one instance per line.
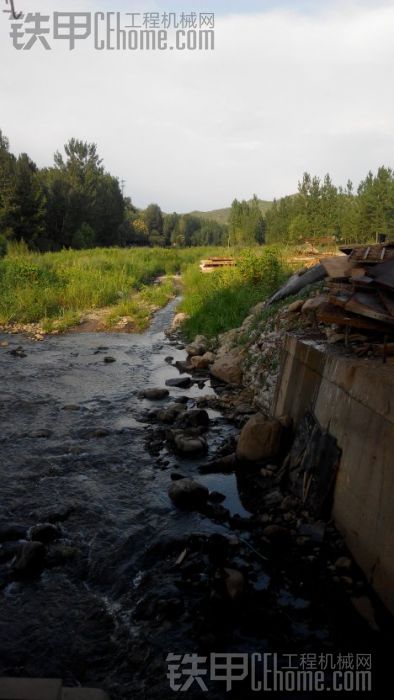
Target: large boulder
260,439
188,494
228,368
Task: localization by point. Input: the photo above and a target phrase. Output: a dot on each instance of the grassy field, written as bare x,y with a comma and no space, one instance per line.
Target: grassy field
57,290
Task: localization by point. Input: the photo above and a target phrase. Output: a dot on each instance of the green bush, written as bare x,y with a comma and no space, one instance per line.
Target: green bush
84,237
219,301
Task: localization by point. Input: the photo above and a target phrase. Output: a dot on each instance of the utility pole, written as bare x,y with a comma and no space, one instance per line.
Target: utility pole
122,184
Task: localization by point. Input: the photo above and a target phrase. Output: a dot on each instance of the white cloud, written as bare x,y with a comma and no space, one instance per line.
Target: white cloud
282,93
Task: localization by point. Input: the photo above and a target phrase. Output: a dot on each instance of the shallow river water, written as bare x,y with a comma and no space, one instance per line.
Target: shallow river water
73,453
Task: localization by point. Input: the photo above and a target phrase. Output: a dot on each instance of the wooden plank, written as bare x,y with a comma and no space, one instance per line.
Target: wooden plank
357,272
370,255
337,266
339,299
368,305
365,281
329,314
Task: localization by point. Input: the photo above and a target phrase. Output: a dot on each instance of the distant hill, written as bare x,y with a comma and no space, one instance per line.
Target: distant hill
222,215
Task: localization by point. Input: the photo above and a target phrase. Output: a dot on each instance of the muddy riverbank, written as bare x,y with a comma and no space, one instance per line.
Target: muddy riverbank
120,577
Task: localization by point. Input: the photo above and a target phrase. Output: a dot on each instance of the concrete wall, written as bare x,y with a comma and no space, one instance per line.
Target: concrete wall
354,400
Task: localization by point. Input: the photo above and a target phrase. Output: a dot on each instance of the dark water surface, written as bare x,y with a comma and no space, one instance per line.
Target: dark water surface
92,476
73,453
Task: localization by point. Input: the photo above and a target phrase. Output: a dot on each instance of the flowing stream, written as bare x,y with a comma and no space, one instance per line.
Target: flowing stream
104,610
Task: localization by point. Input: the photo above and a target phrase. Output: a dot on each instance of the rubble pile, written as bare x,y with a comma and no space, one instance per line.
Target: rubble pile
360,299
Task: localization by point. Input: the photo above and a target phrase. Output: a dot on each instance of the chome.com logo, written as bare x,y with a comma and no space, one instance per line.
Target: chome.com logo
113,31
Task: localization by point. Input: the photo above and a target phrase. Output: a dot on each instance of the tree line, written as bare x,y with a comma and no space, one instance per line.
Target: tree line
76,203
320,211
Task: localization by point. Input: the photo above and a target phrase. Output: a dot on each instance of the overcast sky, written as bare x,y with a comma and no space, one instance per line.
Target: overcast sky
292,85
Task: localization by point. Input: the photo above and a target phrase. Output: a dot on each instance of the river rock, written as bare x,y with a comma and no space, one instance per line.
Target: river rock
228,368
343,564
203,361
183,366
29,558
178,320
221,465
39,434
180,382
314,303
154,394
195,349
181,399
189,445
277,535
272,499
44,532
234,582
18,352
193,419
296,306
260,439
188,494
170,413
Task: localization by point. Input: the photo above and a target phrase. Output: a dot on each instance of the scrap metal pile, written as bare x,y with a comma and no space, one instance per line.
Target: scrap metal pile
361,297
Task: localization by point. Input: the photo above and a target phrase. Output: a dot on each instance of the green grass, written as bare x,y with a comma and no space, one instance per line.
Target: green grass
221,300
55,289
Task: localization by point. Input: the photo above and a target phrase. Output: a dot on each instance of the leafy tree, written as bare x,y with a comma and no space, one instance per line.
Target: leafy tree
192,226
84,237
28,202
7,183
80,191
247,225
376,202
153,218
171,228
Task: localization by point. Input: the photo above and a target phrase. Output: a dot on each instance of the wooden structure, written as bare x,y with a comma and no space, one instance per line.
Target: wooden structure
361,294
212,264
